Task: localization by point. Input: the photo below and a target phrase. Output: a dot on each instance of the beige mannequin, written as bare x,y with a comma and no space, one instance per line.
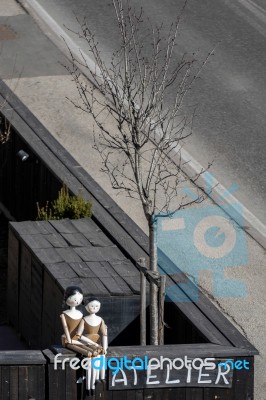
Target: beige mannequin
92,327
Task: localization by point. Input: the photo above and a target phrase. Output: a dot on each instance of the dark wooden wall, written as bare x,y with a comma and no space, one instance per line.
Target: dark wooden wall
22,375
23,184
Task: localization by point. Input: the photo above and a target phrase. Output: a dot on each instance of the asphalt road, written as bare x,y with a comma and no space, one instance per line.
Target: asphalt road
230,95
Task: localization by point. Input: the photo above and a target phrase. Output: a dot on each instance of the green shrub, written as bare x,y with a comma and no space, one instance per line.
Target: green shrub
65,206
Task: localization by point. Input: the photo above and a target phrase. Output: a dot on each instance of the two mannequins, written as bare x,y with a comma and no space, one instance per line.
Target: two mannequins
84,335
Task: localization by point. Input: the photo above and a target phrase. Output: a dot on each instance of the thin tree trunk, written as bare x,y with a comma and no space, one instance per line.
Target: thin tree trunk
153,286
143,304
161,310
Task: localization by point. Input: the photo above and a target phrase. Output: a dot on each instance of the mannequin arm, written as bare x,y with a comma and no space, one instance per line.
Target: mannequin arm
65,328
80,329
89,341
104,336
105,342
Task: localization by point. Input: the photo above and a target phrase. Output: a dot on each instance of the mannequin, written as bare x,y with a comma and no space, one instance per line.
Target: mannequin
92,327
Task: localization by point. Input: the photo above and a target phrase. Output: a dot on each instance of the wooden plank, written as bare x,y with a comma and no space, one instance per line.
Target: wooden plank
116,286
180,350
36,305
195,394
95,287
36,241
58,308
89,253
76,239
32,227
131,394
100,390
56,240
48,256
123,285
139,394
25,293
63,283
85,225
165,394
37,391
133,282
98,239
71,385
49,316
219,394
21,357
68,254
14,387
5,382
110,253
102,269
25,228
44,227
56,390
119,395
89,286
60,270
244,381
173,393
82,270
23,382
125,268
64,226
13,279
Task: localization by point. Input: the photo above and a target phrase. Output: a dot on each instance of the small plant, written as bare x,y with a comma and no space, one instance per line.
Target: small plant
65,206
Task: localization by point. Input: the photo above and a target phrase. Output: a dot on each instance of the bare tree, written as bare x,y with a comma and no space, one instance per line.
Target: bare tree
136,155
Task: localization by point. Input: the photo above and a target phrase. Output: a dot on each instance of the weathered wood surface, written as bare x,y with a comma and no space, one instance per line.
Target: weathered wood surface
13,279
53,257
191,350
61,383
51,254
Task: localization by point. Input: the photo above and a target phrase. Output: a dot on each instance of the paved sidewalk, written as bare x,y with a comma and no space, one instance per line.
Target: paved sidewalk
31,66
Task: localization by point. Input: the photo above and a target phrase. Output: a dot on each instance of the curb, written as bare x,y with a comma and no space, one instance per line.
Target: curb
246,219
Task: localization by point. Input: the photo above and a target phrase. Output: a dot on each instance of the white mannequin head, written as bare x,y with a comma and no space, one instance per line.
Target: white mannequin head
93,306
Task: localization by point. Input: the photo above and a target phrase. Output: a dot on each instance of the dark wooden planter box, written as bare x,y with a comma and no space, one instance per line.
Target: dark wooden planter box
241,381
47,257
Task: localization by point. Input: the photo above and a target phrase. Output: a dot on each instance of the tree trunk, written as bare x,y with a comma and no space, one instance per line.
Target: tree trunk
153,286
